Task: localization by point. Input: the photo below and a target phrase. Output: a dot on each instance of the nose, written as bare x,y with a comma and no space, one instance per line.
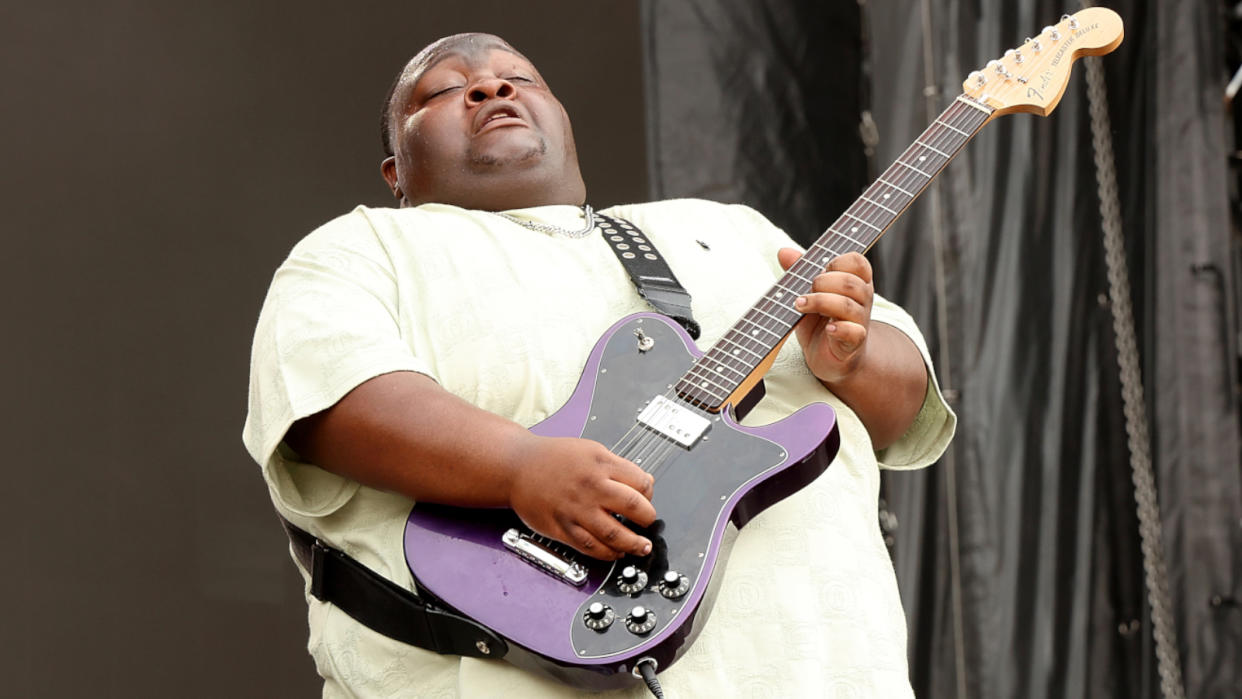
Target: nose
490,88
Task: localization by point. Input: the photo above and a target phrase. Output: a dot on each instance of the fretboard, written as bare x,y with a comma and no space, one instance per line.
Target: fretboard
727,368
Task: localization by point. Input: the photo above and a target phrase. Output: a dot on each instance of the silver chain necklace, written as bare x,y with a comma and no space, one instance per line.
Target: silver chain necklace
587,213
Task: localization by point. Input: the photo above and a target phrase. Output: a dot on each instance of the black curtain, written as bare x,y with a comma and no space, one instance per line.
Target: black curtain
1018,555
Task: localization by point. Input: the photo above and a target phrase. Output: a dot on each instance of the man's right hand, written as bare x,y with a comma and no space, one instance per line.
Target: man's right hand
402,432
570,489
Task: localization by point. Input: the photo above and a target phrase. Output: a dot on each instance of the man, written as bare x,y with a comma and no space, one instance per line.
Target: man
401,354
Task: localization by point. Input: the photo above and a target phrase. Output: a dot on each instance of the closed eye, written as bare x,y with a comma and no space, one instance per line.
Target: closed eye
442,91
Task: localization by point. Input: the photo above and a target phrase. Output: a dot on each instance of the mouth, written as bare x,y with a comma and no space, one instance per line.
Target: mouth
500,116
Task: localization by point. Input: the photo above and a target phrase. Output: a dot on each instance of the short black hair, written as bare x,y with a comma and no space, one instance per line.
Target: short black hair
386,115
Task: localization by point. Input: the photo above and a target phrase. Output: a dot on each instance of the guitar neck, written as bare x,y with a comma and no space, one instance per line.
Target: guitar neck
729,370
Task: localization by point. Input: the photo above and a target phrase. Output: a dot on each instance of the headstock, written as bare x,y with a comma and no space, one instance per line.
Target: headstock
1032,77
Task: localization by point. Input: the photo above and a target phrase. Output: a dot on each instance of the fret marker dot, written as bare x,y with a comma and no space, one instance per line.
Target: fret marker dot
887,195
737,351
780,294
703,385
720,369
854,229
922,158
754,332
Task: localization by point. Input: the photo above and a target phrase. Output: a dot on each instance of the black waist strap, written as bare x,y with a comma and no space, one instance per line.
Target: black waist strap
386,608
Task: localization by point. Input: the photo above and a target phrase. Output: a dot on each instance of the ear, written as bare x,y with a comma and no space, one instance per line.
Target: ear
388,170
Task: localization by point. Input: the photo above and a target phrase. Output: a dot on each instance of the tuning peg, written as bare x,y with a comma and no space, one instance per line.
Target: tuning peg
1051,32
979,78
1016,55
1073,22
1034,44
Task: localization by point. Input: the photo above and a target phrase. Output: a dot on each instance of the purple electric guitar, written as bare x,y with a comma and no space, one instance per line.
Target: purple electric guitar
655,399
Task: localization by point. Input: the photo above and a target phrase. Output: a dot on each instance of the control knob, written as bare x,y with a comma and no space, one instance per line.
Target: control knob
598,616
632,580
640,620
673,585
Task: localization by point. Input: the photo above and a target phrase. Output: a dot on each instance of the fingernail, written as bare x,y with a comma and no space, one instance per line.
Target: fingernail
831,328
800,302
646,549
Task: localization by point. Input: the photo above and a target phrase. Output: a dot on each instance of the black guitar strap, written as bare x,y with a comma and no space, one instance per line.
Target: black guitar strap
648,270
385,607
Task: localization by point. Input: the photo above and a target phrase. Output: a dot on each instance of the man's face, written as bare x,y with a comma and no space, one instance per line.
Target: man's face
474,125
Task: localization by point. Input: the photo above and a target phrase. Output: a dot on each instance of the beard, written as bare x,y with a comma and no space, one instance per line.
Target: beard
492,160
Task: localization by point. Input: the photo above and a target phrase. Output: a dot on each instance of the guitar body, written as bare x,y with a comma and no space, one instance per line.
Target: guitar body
731,473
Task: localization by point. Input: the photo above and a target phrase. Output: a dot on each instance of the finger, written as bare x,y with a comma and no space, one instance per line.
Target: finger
589,544
787,256
847,336
628,503
836,306
627,472
844,283
853,263
613,534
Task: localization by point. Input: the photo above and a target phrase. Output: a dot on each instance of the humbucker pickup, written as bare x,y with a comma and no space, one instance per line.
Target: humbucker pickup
673,420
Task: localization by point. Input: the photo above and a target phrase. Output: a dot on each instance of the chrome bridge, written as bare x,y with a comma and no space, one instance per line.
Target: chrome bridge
545,555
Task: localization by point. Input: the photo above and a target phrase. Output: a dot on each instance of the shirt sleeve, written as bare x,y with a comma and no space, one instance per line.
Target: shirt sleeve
930,433
328,324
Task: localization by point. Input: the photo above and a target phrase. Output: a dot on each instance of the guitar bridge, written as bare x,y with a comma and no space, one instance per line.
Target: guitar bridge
543,554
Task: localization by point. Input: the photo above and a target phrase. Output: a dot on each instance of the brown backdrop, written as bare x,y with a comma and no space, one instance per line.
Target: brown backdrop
159,162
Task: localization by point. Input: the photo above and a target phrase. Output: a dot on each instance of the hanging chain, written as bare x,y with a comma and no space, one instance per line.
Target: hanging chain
1168,664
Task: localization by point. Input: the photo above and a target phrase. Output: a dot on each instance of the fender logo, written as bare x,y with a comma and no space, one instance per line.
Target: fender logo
1044,79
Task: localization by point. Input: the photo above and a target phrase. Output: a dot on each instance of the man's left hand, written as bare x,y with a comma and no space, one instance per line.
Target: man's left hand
833,335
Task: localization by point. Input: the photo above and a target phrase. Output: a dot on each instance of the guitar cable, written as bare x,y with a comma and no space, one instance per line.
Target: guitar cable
647,668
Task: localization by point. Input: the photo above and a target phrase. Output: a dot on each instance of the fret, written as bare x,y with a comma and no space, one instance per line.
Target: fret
953,127
872,225
742,347
719,367
760,327
888,196
924,174
865,198
937,151
779,290
779,320
899,189
793,273
842,235
703,384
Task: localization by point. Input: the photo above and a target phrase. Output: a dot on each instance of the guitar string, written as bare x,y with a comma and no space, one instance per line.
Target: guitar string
867,210
652,449
939,146
649,448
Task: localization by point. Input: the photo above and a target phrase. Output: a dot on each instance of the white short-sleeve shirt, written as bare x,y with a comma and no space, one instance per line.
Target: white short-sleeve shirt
504,317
